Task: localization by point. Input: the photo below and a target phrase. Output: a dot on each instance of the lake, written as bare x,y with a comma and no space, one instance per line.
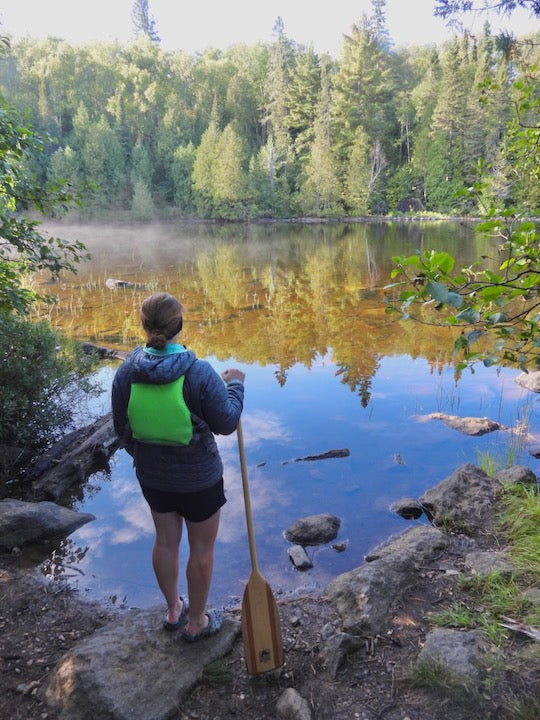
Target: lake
299,308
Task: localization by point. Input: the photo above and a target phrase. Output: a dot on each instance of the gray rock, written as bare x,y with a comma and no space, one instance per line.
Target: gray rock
334,650
485,562
463,653
407,508
422,543
314,529
529,381
467,425
517,474
293,706
467,496
299,558
22,522
107,676
364,597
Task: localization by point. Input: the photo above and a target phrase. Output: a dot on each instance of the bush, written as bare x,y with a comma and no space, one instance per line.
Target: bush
44,379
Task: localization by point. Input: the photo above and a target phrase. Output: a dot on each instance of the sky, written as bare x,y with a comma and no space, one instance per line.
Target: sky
195,25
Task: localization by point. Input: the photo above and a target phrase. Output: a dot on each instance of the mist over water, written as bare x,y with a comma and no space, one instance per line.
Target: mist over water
300,308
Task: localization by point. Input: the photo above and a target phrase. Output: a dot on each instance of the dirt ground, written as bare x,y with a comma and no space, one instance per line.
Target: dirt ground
40,622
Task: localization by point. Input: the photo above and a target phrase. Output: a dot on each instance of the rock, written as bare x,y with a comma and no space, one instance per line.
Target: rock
529,381
299,558
114,284
314,529
23,522
516,474
486,562
340,546
335,649
407,508
467,425
421,542
365,596
292,706
465,498
106,675
463,653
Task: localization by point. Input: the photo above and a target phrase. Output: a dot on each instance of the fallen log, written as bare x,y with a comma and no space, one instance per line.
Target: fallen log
341,452
104,353
74,458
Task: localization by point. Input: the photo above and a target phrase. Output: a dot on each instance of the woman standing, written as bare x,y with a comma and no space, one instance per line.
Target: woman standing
167,405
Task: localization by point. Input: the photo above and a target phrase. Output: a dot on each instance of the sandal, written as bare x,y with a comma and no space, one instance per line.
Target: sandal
215,621
171,627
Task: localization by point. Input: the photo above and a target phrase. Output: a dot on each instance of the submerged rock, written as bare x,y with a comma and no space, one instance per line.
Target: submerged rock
313,529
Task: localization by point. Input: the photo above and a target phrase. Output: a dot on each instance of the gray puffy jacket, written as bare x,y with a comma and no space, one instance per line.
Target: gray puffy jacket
215,409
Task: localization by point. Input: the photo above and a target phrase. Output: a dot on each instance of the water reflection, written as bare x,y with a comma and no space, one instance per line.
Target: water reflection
300,310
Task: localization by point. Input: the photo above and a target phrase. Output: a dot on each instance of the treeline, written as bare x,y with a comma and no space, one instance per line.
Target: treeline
276,130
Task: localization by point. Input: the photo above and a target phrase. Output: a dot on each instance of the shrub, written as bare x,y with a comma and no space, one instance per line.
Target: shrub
44,379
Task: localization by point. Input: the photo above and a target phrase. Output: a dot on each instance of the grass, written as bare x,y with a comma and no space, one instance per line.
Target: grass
446,688
518,522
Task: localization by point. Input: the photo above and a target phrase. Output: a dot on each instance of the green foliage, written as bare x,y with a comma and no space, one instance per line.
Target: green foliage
43,380
348,136
519,523
500,299
142,205
23,249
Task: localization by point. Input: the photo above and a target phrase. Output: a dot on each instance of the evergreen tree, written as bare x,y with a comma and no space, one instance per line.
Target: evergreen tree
276,106
181,171
143,24
203,168
321,191
230,186
362,98
303,93
142,205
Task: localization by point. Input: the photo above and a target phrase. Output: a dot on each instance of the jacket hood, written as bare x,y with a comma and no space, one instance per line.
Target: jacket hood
159,369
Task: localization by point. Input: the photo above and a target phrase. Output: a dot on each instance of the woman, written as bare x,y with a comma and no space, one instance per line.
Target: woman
166,406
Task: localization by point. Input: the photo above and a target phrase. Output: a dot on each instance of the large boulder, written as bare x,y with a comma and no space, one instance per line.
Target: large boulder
132,670
465,498
364,597
23,522
313,530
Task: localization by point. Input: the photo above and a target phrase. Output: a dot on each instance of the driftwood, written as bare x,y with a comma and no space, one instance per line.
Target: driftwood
74,458
341,452
104,353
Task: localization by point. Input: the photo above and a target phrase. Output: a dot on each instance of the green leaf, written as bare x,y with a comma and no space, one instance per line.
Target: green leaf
437,291
469,315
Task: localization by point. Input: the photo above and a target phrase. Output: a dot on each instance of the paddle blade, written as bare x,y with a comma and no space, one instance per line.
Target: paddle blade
261,628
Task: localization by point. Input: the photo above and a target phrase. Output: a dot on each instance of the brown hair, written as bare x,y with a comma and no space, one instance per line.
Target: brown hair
161,317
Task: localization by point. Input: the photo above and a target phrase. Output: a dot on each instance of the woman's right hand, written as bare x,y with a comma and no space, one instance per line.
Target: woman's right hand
233,374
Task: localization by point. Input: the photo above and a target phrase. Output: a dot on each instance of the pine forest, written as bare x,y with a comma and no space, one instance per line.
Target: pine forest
277,131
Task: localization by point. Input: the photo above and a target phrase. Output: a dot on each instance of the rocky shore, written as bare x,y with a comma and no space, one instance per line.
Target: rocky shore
367,648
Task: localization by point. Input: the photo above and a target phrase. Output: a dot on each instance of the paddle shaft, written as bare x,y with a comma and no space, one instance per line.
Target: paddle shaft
247,499
261,629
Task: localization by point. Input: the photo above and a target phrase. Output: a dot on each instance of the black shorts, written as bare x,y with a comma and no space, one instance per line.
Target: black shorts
193,506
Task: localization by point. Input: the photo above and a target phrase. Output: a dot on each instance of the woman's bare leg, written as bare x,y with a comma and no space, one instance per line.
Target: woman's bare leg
202,537
165,559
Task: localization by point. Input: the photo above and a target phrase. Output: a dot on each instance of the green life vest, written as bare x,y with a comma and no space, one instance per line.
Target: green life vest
158,414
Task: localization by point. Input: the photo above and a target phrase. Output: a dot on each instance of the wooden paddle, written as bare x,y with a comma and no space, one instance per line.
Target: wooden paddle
261,628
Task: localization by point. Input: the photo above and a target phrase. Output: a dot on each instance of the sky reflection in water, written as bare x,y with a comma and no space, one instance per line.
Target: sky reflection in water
316,413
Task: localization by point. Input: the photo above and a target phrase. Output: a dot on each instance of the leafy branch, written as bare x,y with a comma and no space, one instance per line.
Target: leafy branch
503,302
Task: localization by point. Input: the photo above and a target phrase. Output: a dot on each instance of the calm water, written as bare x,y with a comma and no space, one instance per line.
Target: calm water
300,310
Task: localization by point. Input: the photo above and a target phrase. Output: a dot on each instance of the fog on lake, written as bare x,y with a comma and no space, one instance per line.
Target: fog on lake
300,308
